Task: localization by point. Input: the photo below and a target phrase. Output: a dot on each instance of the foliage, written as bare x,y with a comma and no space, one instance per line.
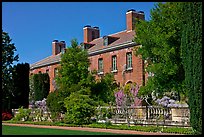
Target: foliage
191,52
8,58
41,83
55,103
74,68
160,38
103,89
80,109
23,115
20,85
6,116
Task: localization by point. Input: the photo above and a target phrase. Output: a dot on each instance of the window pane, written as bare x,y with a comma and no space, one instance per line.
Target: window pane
114,63
100,65
129,60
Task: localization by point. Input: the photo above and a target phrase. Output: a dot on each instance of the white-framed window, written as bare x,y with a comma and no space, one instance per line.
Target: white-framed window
105,41
129,60
114,63
100,65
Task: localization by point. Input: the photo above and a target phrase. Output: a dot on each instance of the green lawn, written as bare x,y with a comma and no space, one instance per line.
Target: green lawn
17,130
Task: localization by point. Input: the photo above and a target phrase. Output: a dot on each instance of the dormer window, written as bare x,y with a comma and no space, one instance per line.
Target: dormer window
105,41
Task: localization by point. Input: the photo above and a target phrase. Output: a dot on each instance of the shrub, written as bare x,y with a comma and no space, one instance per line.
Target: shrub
80,109
23,115
55,103
6,116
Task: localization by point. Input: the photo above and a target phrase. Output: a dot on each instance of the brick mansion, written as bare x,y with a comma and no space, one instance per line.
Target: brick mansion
107,54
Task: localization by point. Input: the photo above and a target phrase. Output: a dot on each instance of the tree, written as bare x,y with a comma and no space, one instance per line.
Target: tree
20,86
191,52
73,71
102,90
160,38
8,58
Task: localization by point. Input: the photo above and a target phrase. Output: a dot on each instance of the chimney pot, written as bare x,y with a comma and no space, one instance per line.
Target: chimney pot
62,41
88,26
55,40
96,27
130,10
141,12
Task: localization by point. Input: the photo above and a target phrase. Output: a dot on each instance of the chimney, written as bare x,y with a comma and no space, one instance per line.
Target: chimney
90,33
131,16
58,47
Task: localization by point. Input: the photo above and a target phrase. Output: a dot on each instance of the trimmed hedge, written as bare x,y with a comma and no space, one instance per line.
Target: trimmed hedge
41,83
191,45
20,86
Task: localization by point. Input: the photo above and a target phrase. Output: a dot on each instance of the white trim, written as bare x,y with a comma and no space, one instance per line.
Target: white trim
131,11
129,69
100,73
113,71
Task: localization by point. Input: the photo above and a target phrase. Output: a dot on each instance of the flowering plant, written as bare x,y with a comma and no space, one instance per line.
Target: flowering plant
125,97
167,102
128,95
6,116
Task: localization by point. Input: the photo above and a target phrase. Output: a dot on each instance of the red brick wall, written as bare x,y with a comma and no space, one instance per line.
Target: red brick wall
51,73
135,75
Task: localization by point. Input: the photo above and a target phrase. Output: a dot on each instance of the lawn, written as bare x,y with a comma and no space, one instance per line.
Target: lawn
17,130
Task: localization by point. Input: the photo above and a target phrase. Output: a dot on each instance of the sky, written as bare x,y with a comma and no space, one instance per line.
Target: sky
33,26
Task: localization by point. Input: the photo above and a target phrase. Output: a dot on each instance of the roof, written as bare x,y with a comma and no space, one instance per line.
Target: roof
46,61
122,37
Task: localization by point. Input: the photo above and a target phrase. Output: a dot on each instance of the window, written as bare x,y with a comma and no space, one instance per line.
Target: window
114,63
100,65
55,72
129,60
105,41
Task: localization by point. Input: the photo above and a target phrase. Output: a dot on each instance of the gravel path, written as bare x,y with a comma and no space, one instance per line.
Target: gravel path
92,129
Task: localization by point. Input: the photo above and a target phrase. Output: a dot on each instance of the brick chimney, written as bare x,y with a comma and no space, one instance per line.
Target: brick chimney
90,33
58,47
131,16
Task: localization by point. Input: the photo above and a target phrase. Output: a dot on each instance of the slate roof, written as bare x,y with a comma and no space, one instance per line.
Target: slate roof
123,37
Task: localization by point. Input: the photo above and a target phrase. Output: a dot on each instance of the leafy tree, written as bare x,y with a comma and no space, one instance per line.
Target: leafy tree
160,38
73,71
20,86
8,58
191,52
103,89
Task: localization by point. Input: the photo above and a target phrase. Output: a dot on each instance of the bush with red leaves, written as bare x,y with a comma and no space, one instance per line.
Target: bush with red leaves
6,116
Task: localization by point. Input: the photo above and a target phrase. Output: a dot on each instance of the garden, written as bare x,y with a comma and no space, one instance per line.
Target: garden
169,102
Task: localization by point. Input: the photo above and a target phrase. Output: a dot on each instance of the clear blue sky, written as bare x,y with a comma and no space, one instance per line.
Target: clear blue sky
33,26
